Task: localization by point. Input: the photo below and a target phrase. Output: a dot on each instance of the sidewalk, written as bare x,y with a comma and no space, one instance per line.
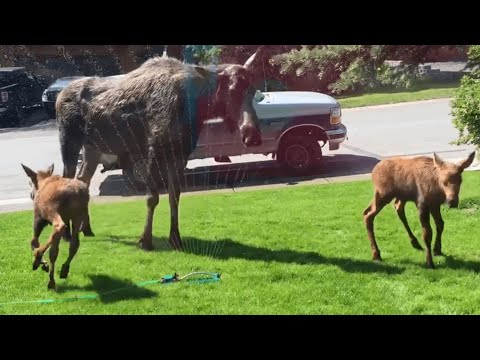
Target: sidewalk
27,204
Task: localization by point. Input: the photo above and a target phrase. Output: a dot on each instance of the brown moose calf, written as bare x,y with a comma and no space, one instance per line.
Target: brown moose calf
425,181
57,201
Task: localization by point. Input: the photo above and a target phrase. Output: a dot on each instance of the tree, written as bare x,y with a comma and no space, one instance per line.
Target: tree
473,62
466,102
202,54
351,68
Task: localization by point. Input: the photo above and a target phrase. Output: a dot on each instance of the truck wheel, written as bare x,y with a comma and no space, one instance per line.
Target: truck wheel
15,118
136,175
299,155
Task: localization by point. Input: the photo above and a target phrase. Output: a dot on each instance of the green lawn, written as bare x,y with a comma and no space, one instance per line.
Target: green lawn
422,91
298,250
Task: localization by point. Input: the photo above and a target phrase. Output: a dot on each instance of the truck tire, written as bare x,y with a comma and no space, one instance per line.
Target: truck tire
135,176
15,118
299,154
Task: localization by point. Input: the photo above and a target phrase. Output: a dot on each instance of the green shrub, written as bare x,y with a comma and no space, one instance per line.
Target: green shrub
466,103
466,111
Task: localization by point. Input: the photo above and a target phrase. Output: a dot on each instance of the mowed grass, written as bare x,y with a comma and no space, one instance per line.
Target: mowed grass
421,91
298,250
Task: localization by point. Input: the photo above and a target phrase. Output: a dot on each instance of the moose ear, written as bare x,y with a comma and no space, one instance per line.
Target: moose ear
437,161
467,162
30,173
251,60
202,71
222,81
50,170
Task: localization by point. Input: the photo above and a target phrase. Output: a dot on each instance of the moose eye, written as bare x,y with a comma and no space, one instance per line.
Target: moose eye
241,83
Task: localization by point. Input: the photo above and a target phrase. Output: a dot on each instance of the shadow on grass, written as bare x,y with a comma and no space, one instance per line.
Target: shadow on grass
459,264
225,249
469,203
449,263
110,290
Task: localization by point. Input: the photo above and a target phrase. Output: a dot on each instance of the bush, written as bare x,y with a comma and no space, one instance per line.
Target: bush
362,76
474,60
466,103
348,69
202,54
403,77
466,111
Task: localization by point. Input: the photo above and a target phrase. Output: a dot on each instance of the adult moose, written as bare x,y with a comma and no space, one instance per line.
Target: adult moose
425,181
155,111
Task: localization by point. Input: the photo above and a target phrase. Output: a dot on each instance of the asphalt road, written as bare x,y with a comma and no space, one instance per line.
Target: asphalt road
374,133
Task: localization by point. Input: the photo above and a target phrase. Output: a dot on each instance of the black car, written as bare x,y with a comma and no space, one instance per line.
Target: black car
50,94
20,91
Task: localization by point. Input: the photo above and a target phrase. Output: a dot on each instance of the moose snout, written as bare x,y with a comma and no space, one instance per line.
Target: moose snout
252,141
453,204
251,135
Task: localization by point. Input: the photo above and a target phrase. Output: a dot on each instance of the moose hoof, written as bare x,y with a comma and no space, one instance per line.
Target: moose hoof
36,263
51,285
88,233
416,245
45,267
145,245
438,253
64,271
376,256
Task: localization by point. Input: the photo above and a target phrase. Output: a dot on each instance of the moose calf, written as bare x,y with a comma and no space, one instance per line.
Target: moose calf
427,182
57,201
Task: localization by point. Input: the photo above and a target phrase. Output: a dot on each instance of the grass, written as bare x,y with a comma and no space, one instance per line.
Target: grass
299,250
422,91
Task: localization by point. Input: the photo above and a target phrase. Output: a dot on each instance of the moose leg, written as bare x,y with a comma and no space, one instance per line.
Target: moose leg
174,198
152,201
424,213
53,254
91,159
439,224
58,231
38,226
153,175
71,139
74,245
369,214
400,207
156,174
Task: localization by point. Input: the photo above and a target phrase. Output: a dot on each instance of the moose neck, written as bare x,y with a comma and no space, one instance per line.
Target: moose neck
433,188
207,105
